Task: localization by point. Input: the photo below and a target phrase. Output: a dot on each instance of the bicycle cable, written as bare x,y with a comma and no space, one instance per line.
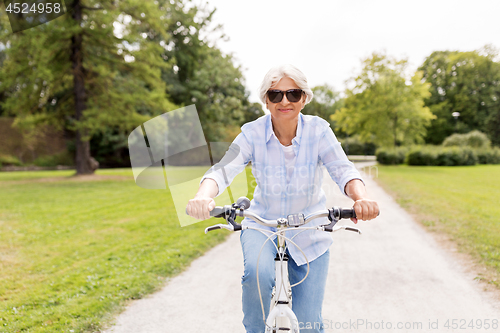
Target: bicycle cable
273,233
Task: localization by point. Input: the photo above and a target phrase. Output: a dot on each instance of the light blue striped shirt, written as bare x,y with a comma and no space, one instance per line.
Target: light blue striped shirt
315,147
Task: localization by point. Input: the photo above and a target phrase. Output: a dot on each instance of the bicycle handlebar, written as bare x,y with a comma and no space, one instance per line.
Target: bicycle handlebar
229,212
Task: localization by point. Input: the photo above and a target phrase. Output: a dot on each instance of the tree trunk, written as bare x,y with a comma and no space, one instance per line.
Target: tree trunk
85,164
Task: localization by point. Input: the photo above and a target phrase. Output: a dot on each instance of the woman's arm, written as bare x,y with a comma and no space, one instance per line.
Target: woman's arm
220,176
365,208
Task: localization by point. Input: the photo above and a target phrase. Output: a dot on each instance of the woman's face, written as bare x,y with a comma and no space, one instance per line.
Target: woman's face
285,110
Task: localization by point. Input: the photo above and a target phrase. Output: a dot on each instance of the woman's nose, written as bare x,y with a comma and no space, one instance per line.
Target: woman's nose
285,101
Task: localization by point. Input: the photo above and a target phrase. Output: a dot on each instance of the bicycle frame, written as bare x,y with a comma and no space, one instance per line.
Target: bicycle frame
280,312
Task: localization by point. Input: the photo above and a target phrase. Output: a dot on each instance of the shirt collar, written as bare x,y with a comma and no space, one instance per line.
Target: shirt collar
270,132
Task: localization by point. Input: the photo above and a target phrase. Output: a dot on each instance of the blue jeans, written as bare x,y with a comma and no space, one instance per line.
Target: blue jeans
307,297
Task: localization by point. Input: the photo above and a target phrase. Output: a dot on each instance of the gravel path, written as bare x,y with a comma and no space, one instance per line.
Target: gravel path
393,278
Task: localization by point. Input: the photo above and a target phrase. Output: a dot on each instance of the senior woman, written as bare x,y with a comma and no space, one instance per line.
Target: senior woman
287,150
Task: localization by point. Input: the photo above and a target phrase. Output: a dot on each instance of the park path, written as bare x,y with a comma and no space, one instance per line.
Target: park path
393,278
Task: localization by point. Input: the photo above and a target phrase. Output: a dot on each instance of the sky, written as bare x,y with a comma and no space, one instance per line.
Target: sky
327,40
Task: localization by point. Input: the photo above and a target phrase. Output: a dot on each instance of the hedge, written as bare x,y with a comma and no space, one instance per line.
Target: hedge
354,146
488,156
438,156
391,156
441,156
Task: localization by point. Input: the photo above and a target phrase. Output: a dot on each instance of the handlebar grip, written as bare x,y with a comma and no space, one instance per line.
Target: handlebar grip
347,213
243,202
218,212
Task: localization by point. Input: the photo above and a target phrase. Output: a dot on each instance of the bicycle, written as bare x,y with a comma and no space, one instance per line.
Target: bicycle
281,317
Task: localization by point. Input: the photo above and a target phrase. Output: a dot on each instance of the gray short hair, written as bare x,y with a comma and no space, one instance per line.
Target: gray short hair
277,73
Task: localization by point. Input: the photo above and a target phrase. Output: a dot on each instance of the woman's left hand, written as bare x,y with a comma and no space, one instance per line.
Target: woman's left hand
365,210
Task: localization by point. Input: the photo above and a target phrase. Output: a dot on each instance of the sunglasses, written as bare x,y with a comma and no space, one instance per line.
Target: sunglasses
292,95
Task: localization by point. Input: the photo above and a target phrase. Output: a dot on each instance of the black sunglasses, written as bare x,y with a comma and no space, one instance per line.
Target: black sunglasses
292,95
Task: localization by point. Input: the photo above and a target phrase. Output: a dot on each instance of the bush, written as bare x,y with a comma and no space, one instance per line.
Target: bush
488,156
391,155
7,160
422,155
474,139
438,155
455,156
63,158
441,156
353,146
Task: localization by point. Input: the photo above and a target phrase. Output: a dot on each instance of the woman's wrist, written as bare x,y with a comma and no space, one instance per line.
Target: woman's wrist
355,189
208,188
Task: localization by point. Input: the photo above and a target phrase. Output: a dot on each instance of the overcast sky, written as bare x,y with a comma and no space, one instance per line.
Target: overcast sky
327,39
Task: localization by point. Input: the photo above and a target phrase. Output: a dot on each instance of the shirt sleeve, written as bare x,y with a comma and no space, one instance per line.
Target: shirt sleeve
234,161
335,160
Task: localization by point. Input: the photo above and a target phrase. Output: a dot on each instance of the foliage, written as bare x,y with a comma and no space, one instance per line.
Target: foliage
119,71
461,202
110,148
6,160
253,112
219,94
204,76
391,156
325,103
474,139
354,146
385,106
438,155
441,156
488,156
64,158
139,59
27,144
464,82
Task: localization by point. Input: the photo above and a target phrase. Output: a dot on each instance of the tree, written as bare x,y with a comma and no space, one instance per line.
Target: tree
199,74
204,76
325,103
77,73
464,82
386,106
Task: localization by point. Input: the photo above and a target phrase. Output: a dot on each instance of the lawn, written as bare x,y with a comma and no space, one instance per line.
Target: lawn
73,252
462,202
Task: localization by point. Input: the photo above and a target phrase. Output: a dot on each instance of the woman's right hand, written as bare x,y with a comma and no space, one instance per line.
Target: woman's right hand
200,206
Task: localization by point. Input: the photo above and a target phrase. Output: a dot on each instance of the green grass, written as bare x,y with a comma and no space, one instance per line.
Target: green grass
463,202
73,252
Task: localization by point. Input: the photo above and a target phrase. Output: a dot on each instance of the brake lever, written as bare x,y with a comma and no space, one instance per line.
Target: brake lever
345,227
219,226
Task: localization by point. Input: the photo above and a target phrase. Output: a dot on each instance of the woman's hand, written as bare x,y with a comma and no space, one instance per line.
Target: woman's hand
365,210
200,206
